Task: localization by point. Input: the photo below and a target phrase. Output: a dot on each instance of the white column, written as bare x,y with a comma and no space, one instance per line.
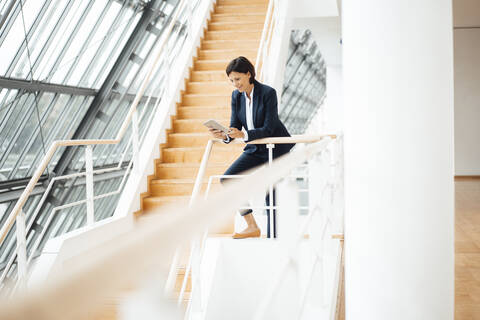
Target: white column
398,89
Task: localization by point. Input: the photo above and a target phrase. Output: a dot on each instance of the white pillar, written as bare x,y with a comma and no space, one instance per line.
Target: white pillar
398,89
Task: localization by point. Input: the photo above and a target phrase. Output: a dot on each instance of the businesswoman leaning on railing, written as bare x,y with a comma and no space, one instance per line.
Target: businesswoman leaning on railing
254,116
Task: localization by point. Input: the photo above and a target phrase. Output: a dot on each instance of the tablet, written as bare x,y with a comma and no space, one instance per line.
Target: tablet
213,124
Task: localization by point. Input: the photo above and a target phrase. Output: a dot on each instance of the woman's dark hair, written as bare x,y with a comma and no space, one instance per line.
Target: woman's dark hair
242,65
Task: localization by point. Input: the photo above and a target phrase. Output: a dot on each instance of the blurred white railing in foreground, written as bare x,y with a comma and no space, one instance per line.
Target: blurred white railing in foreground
143,253
158,65
324,174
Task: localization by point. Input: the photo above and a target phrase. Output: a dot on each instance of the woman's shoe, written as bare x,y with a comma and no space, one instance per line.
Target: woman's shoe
247,234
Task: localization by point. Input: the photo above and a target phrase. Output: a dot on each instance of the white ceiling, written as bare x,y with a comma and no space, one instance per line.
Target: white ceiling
323,19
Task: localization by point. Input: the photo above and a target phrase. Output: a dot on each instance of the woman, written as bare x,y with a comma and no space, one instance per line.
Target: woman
254,116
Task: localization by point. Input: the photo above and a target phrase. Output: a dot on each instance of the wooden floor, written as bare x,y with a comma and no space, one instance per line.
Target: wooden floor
467,249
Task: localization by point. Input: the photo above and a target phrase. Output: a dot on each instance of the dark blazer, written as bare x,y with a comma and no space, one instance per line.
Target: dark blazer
265,119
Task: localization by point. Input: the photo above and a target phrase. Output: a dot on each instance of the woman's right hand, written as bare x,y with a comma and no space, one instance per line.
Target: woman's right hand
219,134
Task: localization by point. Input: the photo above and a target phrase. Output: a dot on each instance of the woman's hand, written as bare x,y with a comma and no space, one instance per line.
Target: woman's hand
235,133
219,134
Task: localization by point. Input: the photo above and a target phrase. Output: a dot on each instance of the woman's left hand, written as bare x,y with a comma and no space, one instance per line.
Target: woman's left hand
235,133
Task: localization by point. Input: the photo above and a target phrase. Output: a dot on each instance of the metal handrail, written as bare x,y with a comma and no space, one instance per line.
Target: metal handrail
130,118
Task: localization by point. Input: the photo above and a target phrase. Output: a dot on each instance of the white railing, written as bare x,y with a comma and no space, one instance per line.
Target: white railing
266,39
163,58
79,291
197,246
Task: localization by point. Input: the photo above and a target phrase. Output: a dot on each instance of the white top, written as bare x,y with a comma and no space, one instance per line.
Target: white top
249,114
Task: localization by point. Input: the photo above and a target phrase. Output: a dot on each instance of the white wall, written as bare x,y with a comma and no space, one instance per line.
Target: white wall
467,101
466,18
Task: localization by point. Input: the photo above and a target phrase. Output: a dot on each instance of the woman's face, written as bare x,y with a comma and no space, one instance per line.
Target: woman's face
241,81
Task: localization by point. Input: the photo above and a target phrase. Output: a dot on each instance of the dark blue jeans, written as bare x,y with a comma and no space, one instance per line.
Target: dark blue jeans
245,162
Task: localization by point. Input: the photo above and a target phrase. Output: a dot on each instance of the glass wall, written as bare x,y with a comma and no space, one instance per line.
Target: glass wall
304,82
70,69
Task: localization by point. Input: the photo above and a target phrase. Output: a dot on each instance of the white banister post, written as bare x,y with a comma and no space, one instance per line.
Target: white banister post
271,232
89,185
21,249
135,142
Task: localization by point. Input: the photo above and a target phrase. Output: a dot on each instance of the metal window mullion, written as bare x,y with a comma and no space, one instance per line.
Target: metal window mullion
8,244
69,41
4,104
52,134
34,86
17,129
53,33
138,72
44,20
107,131
23,45
30,206
294,98
70,212
141,42
302,105
103,187
67,213
4,122
294,62
302,68
110,129
87,42
104,45
301,94
80,215
108,209
105,90
33,135
9,19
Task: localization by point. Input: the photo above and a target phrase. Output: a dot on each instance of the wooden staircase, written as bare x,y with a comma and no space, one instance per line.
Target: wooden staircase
234,30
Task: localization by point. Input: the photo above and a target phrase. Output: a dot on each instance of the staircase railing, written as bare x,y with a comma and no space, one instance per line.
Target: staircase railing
143,253
132,119
196,248
266,39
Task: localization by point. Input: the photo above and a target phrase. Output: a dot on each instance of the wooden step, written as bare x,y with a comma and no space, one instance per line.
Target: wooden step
201,76
212,87
195,125
234,35
238,17
224,155
203,112
221,100
240,2
234,25
230,44
180,187
176,140
228,54
152,202
187,170
250,8
205,65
